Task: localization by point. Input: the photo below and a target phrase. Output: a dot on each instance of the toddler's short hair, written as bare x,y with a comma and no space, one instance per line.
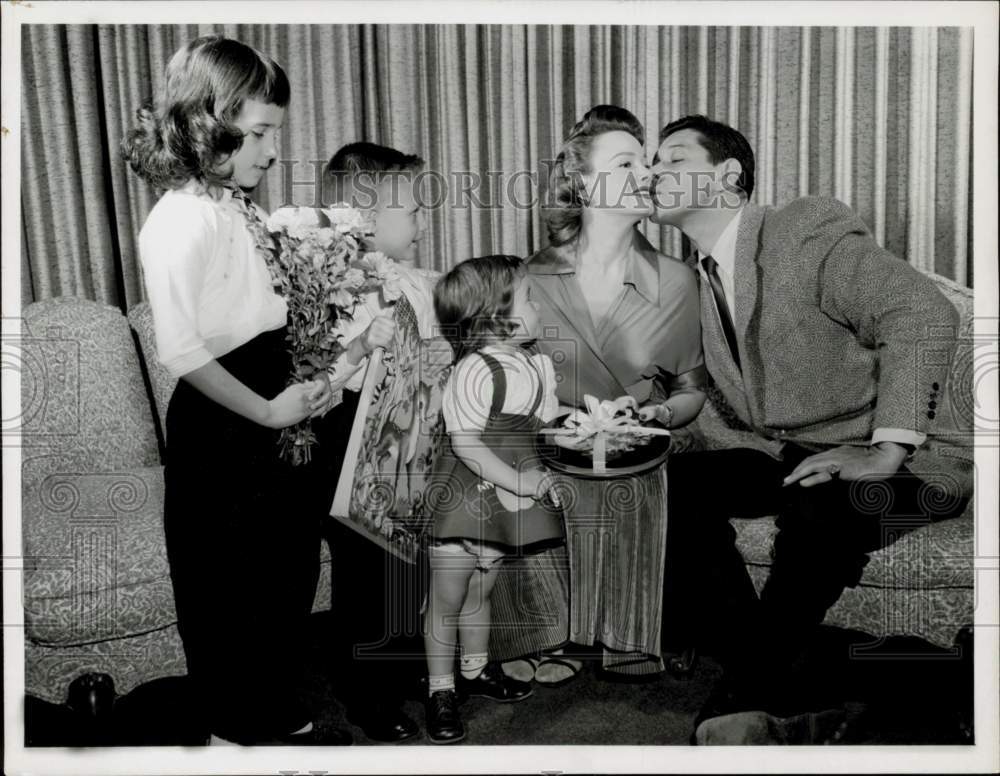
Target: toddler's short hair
474,301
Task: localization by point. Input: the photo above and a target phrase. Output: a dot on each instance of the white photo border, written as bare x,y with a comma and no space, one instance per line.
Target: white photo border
983,757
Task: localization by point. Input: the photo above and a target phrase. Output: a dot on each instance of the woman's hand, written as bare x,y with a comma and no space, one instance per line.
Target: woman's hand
661,413
291,405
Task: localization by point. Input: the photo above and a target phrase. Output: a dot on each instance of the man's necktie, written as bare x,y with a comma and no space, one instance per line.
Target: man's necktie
711,269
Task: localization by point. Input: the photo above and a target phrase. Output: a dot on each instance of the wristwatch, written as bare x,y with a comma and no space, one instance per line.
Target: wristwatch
668,411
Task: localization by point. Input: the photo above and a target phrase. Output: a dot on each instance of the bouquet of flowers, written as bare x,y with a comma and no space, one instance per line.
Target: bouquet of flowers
318,264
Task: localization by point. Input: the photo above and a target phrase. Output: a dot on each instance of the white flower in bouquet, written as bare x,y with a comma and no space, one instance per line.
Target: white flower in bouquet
291,217
382,269
355,279
348,219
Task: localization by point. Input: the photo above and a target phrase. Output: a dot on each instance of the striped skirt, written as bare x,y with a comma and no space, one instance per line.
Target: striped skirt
605,587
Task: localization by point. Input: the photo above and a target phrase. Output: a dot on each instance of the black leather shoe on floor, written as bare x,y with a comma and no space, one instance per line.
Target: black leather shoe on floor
494,684
444,723
388,725
682,664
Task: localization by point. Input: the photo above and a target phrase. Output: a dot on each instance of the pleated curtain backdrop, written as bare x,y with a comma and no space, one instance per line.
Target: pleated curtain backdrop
880,118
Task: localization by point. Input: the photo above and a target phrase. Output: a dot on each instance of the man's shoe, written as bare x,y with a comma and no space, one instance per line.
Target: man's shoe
385,724
494,684
749,728
723,700
443,722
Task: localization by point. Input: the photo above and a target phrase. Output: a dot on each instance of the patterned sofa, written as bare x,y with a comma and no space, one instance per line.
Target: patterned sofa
922,584
97,592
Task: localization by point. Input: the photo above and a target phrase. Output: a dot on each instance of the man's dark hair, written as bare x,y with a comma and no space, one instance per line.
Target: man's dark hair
357,168
722,142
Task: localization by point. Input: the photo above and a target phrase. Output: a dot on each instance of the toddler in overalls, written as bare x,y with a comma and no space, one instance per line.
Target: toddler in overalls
489,495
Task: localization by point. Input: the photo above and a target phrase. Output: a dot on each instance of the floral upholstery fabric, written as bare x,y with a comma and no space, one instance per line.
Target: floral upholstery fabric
935,614
923,584
140,318
935,556
130,662
81,387
96,564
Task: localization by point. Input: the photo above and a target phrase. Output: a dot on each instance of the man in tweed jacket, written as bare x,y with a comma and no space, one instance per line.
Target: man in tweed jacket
833,352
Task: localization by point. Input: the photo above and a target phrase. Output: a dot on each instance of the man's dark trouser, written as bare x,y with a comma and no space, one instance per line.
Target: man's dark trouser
825,533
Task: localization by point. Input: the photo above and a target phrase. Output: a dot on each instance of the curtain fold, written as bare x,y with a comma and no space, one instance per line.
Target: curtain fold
878,117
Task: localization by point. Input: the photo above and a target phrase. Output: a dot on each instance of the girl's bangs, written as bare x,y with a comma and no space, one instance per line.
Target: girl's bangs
268,83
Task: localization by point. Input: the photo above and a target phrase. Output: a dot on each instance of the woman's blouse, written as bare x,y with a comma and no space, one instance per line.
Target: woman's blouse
652,331
208,286
468,396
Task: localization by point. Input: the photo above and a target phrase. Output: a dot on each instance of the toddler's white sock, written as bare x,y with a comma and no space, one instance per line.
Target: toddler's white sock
440,682
473,665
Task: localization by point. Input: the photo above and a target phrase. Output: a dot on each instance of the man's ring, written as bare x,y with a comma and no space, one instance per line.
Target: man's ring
833,470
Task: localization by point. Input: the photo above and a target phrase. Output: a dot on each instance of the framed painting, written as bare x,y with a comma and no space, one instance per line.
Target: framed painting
394,440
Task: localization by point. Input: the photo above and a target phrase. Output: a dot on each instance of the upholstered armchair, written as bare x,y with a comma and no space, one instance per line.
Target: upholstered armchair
97,590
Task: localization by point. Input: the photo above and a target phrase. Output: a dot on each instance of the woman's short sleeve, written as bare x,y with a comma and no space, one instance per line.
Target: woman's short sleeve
175,247
468,396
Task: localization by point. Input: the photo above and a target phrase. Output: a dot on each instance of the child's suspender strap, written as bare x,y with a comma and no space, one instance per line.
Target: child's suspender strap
499,385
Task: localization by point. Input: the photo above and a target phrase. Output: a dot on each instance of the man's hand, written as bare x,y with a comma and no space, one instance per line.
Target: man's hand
849,463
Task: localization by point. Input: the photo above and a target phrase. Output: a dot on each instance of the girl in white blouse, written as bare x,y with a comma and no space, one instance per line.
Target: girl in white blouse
241,530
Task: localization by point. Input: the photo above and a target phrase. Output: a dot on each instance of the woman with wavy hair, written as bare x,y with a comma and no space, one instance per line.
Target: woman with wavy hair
618,318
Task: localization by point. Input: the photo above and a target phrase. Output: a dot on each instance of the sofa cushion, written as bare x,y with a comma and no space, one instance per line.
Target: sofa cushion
935,615
95,558
81,385
938,556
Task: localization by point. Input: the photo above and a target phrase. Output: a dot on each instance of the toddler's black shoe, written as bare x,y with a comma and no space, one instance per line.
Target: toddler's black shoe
494,684
443,723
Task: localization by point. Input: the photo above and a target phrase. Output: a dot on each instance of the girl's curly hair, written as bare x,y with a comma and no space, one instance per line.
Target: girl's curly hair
564,205
474,301
189,132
